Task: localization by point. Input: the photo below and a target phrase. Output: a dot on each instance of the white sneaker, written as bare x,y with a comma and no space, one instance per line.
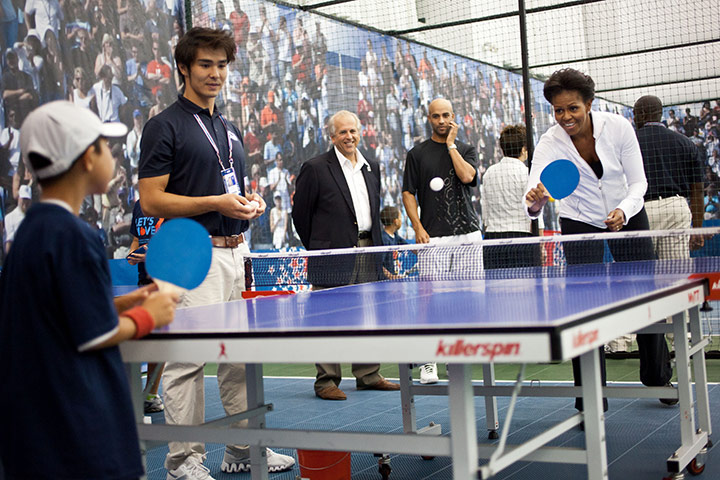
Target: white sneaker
277,462
191,469
428,373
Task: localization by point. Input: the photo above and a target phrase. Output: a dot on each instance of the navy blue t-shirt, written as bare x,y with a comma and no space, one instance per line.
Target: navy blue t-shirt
64,414
142,228
174,144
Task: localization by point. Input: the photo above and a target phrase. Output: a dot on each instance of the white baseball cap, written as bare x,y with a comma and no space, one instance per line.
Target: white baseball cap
61,132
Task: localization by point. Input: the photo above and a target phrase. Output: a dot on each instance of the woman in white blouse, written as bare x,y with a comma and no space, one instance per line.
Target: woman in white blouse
608,198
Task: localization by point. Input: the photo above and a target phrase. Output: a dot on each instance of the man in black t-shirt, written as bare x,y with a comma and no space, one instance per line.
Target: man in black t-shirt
439,176
447,211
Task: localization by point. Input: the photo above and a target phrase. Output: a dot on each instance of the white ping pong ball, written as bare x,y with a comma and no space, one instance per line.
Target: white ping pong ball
436,184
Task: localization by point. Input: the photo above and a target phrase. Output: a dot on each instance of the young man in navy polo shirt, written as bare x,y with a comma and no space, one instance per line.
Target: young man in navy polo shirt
192,164
72,417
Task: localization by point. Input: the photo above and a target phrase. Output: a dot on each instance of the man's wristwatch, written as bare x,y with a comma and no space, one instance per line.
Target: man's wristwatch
452,146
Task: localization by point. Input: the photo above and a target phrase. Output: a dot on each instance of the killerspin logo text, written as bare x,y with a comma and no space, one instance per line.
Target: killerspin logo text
461,348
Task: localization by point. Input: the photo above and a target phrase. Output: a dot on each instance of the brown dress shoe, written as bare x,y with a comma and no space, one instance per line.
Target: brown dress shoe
382,385
331,393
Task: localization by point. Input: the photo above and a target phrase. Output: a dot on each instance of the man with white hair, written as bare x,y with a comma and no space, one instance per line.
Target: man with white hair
337,205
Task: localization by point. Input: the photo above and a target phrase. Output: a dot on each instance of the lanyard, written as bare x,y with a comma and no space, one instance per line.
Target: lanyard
212,142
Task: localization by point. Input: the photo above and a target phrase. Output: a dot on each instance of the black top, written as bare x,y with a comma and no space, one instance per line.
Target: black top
143,228
672,162
448,211
173,143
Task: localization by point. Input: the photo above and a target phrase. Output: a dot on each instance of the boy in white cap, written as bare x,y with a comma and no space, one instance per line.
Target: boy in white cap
72,417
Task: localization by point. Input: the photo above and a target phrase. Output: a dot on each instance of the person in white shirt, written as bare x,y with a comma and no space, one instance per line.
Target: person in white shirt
132,142
503,204
279,180
10,144
44,15
608,198
108,96
15,218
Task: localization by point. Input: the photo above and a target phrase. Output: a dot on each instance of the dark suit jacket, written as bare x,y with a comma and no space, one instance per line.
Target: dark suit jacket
324,215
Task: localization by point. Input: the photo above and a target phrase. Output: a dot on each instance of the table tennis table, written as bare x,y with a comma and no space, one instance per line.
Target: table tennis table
487,321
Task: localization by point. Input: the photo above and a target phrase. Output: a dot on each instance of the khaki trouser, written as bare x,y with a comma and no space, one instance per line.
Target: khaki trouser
184,383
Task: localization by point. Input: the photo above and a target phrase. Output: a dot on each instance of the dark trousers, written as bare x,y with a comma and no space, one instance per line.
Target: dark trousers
655,368
328,374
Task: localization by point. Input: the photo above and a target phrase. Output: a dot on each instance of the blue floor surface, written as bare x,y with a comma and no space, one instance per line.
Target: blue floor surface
641,434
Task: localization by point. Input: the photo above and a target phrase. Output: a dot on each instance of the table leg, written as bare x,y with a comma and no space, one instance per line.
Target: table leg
407,398
463,436
255,399
684,385
700,370
594,415
491,414
134,377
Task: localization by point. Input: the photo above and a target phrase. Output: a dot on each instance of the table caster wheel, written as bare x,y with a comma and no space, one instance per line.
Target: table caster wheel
697,466
493,435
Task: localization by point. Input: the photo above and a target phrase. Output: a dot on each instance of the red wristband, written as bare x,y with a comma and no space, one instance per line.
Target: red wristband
142,319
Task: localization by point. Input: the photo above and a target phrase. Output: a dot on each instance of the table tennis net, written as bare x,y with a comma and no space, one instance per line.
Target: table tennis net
618,253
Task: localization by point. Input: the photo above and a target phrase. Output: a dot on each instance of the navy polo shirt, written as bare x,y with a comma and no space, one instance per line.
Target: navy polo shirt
672,161
174,144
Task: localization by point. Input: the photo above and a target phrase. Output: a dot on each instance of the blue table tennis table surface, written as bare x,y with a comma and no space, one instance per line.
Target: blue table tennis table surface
422,306
530,319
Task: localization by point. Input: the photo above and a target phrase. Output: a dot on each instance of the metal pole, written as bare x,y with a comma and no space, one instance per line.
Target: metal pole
526,79
526,94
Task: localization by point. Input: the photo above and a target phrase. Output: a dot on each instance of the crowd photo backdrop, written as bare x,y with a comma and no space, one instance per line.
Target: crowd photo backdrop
293,70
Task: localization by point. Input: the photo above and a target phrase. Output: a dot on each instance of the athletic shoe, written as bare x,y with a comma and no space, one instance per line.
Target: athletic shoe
277,462
191,469
669,401
428,373
153,404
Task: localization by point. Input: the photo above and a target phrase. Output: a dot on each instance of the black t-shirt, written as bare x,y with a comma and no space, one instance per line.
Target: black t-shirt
143,227
173,143
448,211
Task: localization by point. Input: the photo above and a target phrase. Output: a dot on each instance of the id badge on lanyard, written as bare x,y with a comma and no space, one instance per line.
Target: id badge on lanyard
228,174
230,181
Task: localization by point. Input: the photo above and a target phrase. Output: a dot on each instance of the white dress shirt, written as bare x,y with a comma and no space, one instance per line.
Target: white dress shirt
358,189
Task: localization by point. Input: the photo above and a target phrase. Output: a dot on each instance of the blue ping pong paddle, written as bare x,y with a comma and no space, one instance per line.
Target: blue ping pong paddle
560,178
179,254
